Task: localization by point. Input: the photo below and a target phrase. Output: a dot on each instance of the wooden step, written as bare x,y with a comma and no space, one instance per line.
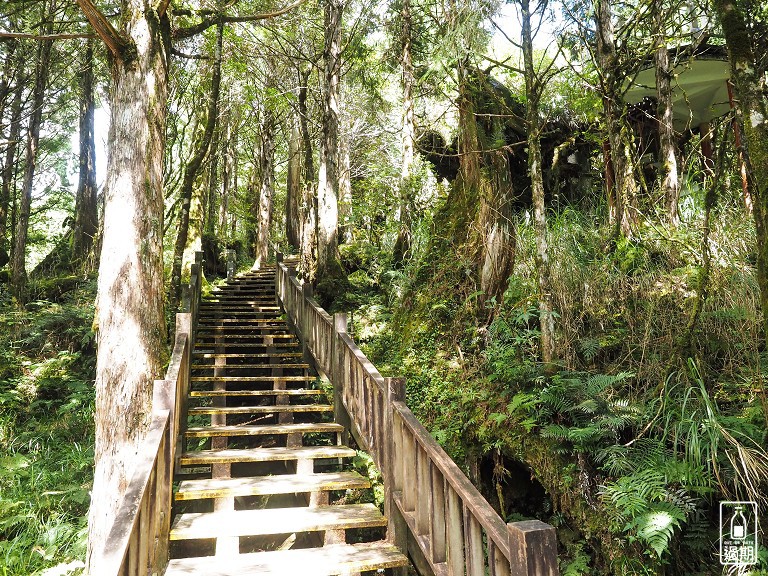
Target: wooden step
249,393
252,378
295,408
287,366
263,430
229,455
246,337
216,322
275,521
212,347
206,355
326,561
270,485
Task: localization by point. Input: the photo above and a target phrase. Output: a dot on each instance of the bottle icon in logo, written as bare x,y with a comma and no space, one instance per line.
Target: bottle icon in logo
738,524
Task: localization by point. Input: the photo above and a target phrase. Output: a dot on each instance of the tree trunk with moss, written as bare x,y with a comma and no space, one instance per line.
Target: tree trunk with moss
752,110
191,171
42,64
308,201
9,165
670,182
86,209
622,197
131,325
293,187
328,259
403,243
266,188
533,90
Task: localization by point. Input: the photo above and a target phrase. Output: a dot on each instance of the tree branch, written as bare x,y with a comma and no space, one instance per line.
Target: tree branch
116,43
45,36
215,19
181,54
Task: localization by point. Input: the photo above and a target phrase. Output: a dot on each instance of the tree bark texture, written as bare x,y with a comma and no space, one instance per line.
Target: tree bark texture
308,203
86,209
9,166
266,189
621,198
131,338
42,64
293,187
752,110
191,171
403,243
328,260
670,182
345,180
533,89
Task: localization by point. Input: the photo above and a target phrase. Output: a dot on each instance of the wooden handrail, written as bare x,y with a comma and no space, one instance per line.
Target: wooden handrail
433,509
137,544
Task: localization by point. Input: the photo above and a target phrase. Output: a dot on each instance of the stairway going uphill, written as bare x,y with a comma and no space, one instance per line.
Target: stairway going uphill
265,482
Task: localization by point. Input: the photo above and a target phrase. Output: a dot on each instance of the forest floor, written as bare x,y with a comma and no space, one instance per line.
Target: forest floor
46,432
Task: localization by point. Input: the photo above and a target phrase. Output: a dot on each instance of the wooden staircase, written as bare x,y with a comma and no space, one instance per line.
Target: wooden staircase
267,490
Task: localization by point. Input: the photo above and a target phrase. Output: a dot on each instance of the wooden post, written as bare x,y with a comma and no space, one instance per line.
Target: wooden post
337,376
397,529
305,321
532,548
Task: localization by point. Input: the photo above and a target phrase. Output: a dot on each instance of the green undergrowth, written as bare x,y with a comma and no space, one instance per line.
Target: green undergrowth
648,421
46,433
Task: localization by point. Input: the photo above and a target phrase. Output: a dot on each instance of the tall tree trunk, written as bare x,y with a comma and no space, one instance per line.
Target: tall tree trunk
293,187
9,165
328,260
209,210
42,63
131,325
403,243
670,183
752,110
86,210
308,205
622,197
191,170
266,190
9,65
345,181
533,87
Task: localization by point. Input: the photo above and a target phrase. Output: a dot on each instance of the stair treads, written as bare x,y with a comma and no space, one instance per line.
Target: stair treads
252,378
208,322
261,409
326,561
229,455
292,392
263,430
203,354
208,347
210,339
287,366
275,521
270,485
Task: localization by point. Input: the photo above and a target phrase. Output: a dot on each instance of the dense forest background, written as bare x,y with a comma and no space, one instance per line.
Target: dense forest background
575,288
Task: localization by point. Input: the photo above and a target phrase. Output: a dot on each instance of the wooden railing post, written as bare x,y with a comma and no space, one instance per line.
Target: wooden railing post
337,376
305,322
397,529
532,548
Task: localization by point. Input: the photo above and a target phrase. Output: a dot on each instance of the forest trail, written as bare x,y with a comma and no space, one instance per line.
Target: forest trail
266,488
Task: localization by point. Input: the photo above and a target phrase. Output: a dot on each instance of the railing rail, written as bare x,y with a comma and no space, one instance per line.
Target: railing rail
433,509
137,544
